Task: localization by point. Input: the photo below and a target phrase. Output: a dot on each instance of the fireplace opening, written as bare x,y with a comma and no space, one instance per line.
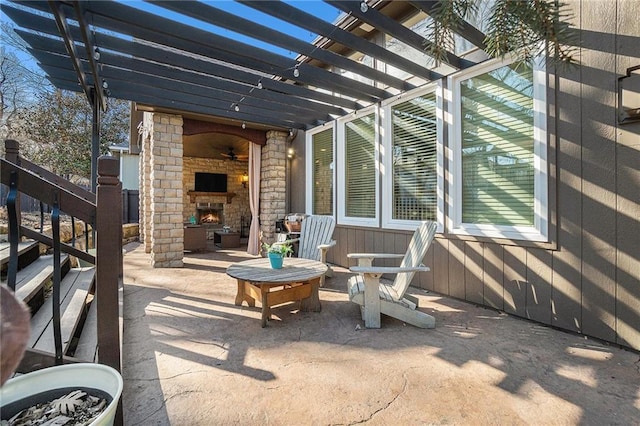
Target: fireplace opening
210,213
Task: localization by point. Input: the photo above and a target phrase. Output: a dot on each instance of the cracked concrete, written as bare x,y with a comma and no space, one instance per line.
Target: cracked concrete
191,357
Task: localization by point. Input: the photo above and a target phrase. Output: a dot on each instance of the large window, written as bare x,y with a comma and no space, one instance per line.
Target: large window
358,169
412,157
321,167
498,141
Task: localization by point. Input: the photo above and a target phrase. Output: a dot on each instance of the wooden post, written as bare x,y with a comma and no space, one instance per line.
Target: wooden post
108,260
109,266
12,154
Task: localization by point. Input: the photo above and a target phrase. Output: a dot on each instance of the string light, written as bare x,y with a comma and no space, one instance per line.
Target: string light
236,108
260,85
96,53
364,7
244,125
105,85
296,71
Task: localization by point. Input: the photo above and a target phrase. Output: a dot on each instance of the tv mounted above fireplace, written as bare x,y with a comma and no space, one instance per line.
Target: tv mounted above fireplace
211,182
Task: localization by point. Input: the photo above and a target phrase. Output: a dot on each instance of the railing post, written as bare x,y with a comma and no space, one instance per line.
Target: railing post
12,154
108,260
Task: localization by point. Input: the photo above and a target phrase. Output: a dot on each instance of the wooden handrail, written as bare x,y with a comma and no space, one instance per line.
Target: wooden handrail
58,180
12,148
37,187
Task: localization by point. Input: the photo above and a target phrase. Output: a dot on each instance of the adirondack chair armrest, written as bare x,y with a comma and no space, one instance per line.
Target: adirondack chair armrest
375,255
291,241
366,259
388,269
323,252
327,246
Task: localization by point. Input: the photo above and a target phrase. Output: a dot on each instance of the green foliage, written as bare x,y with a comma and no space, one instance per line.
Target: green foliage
282,249
530,28
525,28
448,18
60,124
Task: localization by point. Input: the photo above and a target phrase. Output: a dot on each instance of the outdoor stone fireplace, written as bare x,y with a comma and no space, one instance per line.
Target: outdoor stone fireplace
214,210
210,214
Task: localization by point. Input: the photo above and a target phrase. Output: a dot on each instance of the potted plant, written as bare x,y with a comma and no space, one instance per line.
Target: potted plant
276,253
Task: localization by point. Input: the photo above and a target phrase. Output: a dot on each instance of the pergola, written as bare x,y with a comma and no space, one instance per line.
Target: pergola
110,49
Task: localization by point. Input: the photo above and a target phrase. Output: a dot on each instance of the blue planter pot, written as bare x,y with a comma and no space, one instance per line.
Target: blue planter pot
276,260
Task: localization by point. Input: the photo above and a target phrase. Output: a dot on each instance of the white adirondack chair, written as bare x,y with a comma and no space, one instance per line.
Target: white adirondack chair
315,239
375,297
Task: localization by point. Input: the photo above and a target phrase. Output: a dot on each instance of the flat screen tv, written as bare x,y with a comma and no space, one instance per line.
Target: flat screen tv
211,182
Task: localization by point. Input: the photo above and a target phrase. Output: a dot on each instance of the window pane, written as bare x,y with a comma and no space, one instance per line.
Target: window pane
497,147
360,167
323,172
415,179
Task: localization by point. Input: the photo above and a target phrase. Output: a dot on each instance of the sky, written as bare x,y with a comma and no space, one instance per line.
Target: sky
317,8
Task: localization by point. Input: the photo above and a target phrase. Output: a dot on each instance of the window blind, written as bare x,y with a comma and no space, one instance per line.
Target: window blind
360,167
414,151
323,172
498,147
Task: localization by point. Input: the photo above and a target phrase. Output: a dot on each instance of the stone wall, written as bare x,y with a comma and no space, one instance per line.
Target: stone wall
145,183
166,190
239,205
273,188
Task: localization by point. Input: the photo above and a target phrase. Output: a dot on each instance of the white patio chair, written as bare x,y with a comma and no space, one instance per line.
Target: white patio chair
375,297
315,239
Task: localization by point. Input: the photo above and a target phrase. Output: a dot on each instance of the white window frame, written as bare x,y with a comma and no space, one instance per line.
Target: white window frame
309,165
537,232
387,158
339,158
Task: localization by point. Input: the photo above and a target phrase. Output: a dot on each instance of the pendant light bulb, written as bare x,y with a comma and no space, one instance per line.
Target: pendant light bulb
237,108
364,7
244,125
260,85
296,71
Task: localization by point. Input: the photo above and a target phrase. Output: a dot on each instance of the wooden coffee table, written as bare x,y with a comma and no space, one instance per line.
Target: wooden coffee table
298,279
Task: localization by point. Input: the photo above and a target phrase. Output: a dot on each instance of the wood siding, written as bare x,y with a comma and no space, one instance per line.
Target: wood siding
587,279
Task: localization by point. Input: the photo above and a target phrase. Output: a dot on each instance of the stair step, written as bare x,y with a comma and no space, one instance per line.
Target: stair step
23,247
30,280
74,291
88,343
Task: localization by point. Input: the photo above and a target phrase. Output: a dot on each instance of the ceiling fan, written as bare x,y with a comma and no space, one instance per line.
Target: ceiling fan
231,155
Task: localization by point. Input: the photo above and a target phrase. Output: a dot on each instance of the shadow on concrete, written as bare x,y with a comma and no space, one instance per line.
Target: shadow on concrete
191,355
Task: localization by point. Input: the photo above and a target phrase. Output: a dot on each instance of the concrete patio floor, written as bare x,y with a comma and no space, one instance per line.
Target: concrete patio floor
191,357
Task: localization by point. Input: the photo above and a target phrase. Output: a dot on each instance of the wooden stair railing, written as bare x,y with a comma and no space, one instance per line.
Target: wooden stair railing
103,212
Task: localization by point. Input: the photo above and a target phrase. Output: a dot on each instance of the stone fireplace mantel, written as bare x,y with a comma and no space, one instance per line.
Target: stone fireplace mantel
193,195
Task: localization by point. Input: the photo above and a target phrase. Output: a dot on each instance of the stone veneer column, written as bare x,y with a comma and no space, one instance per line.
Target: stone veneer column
273,186
145,182
167,234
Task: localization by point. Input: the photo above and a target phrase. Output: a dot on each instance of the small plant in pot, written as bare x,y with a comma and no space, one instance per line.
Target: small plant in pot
276,253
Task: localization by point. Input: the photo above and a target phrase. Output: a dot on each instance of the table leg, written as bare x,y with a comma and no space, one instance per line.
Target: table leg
240,293
266,309
312,303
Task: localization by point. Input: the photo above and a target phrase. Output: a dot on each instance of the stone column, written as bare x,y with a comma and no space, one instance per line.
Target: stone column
273,186
167,235
145,181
